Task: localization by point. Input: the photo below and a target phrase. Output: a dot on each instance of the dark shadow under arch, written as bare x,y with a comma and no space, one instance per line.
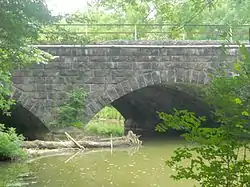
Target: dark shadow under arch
170,78
141,105
25,123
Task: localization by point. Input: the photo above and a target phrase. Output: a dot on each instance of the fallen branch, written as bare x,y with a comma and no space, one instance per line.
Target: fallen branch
72,156
75,142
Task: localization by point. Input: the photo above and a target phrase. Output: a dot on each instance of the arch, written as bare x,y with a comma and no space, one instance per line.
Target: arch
27,102
173,78
26,117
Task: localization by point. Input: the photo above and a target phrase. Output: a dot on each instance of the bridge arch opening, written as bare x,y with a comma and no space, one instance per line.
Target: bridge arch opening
139,108
24,122
139,97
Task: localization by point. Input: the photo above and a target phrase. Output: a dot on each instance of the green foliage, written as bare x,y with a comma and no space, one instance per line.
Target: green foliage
71,112
220,156
57,34
105,128
10,144
172,19
107,121
20,22
109,112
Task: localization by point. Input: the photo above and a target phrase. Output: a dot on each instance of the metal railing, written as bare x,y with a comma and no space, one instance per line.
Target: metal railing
84,33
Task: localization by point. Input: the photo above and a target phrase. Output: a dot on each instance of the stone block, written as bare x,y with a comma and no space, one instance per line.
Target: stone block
16,94
18,80
98,59
165,58
124,65
176,51
148,51
68,72
142,65
163,52
180,75
158,65
101,101
89,112
187,75
116,51
148,79
78,52
149,58
100,65
101,72
112,93
171,76
40,87
106,98
156,76
141,81
95,80
23,73
164,76
122,73
119,89
202,77
194,77
134,83
80,59
97,88
127,52
116,80
126,86
38,65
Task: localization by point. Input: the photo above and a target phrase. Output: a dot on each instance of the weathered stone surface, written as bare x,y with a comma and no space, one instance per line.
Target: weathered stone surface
109,73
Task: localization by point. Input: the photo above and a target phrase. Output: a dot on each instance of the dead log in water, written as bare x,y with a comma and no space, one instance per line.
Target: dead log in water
130,140
37,144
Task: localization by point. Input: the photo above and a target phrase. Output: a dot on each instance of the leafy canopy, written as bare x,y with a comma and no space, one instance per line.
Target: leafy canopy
21,21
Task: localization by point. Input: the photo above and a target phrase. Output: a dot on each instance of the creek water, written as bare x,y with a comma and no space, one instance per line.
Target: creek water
144,167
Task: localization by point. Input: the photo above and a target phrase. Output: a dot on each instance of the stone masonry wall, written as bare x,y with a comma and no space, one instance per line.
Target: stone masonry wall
108,73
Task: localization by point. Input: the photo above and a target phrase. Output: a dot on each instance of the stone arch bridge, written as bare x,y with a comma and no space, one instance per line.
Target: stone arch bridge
137,77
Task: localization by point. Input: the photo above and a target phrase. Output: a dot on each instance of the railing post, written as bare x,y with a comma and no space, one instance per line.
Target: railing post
135,32
86,29
249,35
231,33
184,35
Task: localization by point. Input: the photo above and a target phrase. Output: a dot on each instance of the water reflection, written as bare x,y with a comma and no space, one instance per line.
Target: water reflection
123,168
16,174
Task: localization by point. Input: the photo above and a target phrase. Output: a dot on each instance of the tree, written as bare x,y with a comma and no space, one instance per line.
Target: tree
21,21
218,157
172,18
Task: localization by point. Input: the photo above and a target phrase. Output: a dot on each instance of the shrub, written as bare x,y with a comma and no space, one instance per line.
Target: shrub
10,144
70,113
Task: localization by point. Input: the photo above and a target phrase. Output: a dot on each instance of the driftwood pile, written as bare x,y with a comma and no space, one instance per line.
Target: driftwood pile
130,140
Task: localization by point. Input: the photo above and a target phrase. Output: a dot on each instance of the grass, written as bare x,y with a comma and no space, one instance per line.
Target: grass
104,128
109,112
107,121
